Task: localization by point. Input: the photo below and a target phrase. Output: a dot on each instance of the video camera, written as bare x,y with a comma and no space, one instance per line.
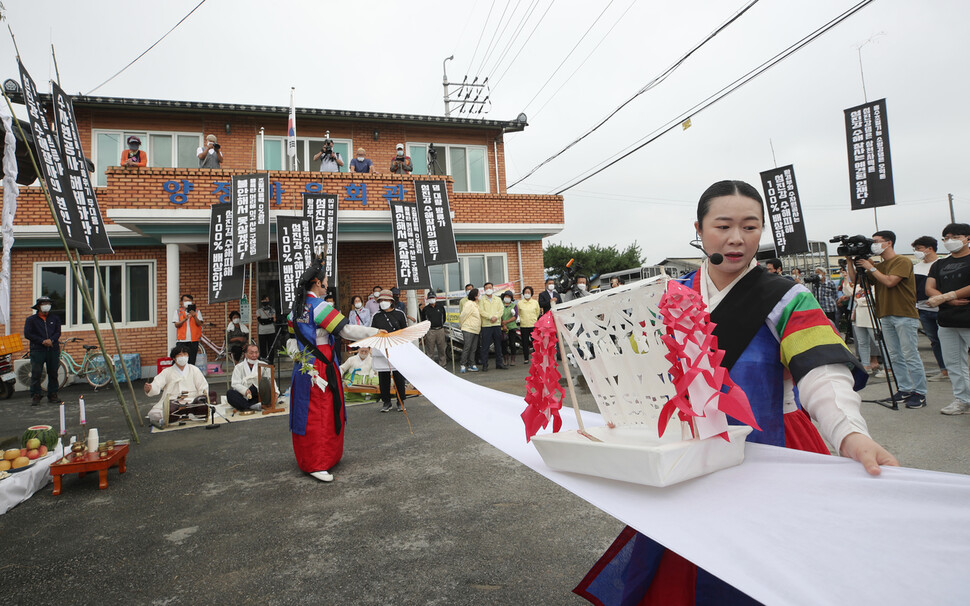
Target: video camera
857,247
812,278
567,277
327,144
190,308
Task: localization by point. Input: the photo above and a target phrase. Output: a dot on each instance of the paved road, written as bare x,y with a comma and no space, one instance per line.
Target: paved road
437,517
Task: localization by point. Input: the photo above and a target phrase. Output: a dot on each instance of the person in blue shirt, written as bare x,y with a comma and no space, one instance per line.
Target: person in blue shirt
361,164
43,331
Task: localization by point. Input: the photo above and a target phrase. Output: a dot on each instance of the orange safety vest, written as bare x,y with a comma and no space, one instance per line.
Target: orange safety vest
182,332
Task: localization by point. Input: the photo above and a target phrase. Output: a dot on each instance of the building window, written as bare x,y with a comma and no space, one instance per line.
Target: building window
130,286
274,153
164,149
474,268
466,164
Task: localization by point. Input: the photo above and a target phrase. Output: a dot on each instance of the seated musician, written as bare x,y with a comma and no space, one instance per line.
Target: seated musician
357,367
172,382
244,394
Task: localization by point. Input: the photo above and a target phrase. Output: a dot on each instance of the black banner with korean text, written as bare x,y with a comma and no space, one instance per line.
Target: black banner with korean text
870,165
412,273
438,235
225,281
784,211
76,176
321,211
52,168
250,212
294,250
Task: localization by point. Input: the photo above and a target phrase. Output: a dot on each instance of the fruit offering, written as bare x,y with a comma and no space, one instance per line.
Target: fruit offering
44,434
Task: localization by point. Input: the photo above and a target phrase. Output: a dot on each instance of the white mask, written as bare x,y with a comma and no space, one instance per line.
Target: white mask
45,308
400,153
358,305
185,303
953,245
431,301
385,305
581,287
235,320
920,255
550,287
182,361
877,248
527,296
360,158
488,292
507,300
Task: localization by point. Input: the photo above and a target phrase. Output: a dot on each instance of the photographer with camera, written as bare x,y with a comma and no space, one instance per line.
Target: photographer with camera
401,164
330,161
210,156
188,327
894,283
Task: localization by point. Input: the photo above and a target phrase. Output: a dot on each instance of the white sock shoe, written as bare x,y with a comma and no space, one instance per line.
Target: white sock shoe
323,476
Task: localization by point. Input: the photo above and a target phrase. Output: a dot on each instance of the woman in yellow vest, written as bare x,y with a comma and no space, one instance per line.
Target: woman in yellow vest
528,314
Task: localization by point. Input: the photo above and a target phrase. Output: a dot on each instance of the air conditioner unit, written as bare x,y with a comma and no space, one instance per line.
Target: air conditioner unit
21,368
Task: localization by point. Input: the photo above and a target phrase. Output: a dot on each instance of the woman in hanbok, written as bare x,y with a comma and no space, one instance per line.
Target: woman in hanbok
317,413
775,337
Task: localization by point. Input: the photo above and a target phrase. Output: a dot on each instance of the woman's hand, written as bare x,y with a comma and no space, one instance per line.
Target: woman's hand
867,451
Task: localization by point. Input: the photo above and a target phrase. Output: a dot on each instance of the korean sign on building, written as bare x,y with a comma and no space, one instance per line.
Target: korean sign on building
438,236
412,273
225,281
784,211
294,248
870,166
321,211
250,211
52,168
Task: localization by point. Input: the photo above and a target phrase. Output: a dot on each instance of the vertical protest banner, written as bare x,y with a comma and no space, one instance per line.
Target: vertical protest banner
76,176
784,210
225,281
294,250
250,213
412,273
870,165
52,168
321,211
438,235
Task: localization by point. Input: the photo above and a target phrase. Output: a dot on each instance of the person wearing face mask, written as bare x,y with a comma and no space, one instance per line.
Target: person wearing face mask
237,336
389,319
470,320
210,156
359,315
582,287
266,318
510,327
528,314
188,326
361,164
317,413
181,377
894,284
436,340
330,161
134,157
245,382
549,297
772,334
461,303
948,285
372,304
401,163
924,249
491,309
827,293
43,331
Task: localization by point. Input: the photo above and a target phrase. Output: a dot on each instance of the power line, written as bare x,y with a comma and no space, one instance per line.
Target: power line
515,36
648,86
524,44
477,44
724,92
495,34
148,49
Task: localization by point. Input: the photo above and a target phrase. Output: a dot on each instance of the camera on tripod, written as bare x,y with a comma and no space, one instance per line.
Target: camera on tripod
812,278
857,247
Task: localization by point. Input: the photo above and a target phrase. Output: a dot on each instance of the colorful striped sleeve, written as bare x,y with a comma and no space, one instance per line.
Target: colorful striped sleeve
328,318
806,336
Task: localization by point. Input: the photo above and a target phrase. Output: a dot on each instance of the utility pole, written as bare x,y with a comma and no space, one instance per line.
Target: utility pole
444,83
950,197
464,93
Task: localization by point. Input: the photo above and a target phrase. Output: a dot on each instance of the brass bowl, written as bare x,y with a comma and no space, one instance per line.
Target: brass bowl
110,444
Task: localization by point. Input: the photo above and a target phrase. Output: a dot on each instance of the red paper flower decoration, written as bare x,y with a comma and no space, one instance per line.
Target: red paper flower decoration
543,394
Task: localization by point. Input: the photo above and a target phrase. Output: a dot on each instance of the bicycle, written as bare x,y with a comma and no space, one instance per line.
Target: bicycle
219,352
92,367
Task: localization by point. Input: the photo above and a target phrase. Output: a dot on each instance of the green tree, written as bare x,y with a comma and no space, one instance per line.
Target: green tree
592,260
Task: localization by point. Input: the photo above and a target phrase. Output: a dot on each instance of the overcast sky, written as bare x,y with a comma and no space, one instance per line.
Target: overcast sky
387,56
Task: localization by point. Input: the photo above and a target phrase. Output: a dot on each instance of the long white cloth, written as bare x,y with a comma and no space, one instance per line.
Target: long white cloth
785,526
10,191
22,485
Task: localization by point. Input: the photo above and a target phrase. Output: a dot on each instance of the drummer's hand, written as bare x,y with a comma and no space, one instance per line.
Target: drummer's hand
867,451
148,386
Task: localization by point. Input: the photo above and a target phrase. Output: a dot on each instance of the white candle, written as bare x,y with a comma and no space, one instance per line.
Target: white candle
63,431
84,419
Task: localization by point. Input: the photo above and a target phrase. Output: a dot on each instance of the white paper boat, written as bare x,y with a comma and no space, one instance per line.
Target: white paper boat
635,453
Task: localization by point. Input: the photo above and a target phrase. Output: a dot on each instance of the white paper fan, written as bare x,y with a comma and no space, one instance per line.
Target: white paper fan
398,337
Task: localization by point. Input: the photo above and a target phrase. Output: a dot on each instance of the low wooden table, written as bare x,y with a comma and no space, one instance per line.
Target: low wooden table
91,461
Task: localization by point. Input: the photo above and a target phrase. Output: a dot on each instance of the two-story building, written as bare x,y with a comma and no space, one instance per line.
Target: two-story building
157,217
